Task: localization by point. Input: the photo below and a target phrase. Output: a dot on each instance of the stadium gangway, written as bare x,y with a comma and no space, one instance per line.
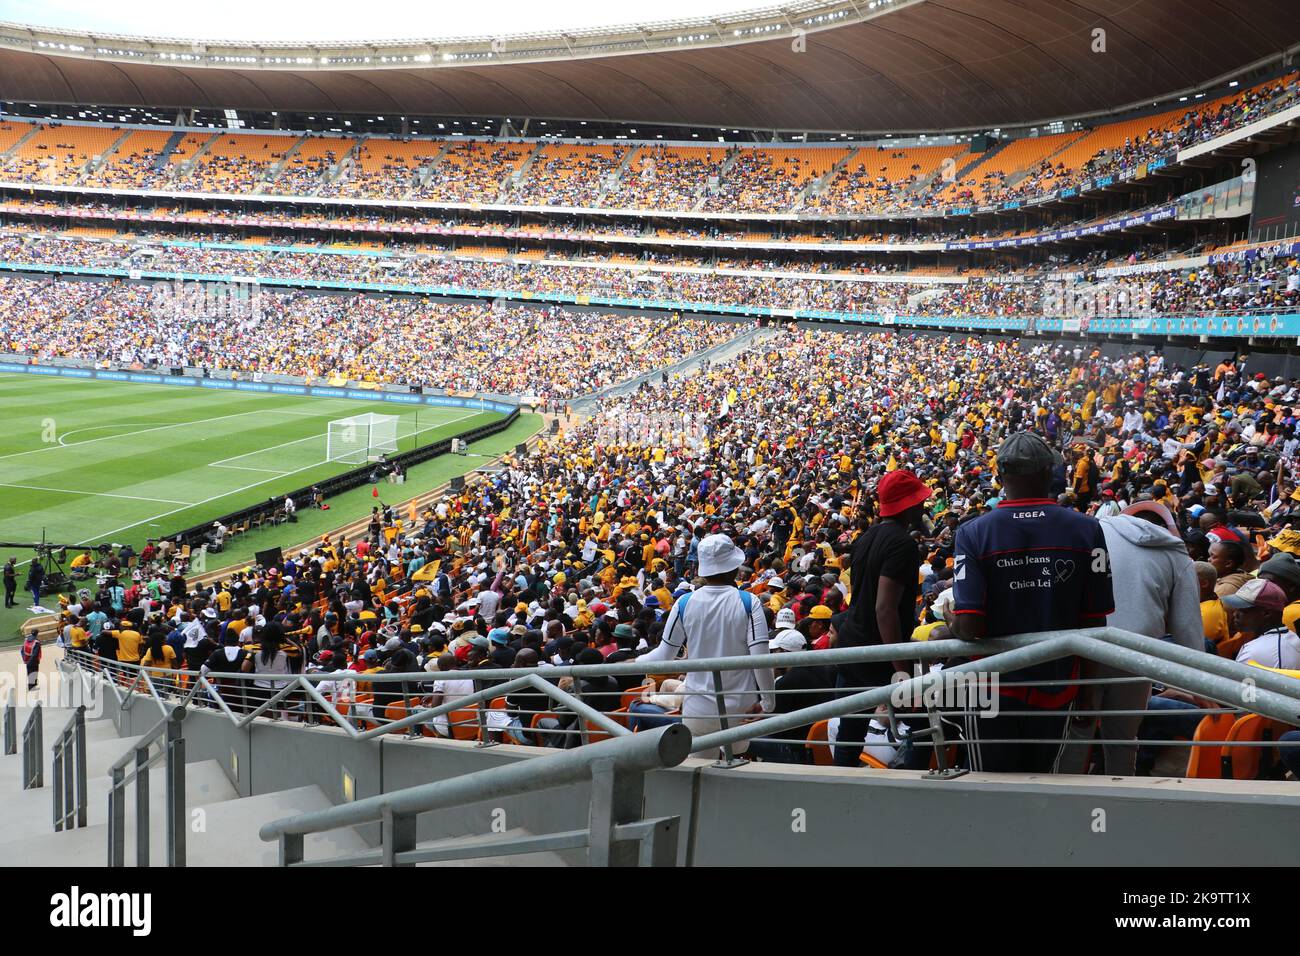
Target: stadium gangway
1205,675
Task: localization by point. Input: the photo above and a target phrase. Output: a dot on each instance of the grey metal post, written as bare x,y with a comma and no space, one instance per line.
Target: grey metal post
397,835
79,747
117,818
480,717
729,759
11,725
58,783
583,737
33,744
617,797
142,806
941,771
659,845
175,771
290,849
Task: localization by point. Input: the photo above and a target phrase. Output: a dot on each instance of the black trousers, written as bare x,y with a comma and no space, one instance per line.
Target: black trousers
1017,754
11,588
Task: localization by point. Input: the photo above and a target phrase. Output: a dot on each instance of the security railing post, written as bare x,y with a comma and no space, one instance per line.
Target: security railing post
69,780
291,845
616,798
480,717
941,771
728,757
142,806
11,726
79,748
58,783
175,795
33,745
583,737
117,819
397,835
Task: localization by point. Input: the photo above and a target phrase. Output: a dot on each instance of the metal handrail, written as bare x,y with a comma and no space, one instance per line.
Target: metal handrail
70,773
33,744
1203,674
140,761
616,834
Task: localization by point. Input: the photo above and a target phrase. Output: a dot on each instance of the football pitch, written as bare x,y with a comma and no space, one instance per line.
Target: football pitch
88,461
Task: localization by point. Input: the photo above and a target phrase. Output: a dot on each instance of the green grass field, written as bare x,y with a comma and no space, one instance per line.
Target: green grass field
87,461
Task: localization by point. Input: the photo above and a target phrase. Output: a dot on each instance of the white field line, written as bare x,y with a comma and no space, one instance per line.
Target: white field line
235,491
221,463
63,439
96,494
143,431
269,471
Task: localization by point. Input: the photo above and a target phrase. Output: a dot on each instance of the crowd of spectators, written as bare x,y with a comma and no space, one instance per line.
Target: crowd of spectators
781,471
548,353
1265,282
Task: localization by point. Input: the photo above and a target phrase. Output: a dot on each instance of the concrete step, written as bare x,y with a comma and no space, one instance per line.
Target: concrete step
27,827
548,858
100,755
225,834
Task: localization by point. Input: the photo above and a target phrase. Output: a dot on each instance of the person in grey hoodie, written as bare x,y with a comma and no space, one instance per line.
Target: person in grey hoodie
1157,595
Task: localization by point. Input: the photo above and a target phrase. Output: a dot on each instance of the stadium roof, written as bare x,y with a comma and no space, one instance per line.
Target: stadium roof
859,66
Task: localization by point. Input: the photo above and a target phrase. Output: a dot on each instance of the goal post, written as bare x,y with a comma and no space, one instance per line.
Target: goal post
360,438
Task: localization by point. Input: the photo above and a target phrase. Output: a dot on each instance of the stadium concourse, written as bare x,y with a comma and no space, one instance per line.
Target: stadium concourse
797,450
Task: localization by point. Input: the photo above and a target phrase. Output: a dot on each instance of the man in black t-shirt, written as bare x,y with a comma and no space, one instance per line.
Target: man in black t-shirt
884,571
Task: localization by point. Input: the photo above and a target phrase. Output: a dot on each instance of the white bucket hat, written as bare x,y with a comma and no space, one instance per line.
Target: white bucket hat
718,555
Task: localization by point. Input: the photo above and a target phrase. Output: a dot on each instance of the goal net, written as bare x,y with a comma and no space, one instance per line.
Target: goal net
361,438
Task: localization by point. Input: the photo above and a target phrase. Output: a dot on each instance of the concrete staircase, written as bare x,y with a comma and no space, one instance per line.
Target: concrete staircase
165,154
425,172
517,178
98,160
12,151
185,168
222,826
818,185
723,170
615,179
268,179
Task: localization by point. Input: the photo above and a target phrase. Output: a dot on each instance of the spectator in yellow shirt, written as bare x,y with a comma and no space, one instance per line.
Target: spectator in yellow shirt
1214,616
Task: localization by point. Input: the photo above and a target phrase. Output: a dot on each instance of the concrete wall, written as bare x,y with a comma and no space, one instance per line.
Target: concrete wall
778,815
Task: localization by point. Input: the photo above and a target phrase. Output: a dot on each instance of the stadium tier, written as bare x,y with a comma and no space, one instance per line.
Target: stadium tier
880,419
830,179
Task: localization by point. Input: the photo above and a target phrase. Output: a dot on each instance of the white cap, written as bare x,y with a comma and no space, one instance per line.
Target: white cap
787,640
785,617
718,555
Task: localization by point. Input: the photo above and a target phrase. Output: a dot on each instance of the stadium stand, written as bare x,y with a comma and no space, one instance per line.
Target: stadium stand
785,444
